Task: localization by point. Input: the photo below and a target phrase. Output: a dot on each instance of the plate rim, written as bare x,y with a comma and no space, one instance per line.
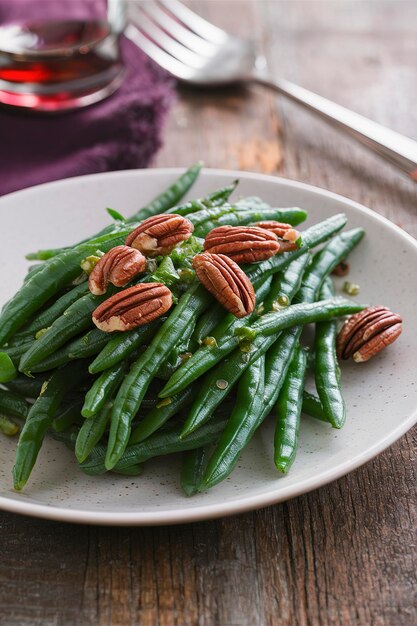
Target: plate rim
244,503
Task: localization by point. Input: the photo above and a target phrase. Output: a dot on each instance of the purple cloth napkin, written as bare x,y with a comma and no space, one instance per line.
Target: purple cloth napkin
121,132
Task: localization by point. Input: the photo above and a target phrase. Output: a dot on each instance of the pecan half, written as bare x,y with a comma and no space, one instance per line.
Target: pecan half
133,307
366,333
118,266
285,232
278,228
160,234
226,281
243,244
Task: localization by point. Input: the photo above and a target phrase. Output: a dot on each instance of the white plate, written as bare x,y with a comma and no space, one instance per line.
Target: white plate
381,395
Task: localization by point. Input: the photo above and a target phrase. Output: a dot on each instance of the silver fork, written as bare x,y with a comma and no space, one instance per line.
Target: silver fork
197,52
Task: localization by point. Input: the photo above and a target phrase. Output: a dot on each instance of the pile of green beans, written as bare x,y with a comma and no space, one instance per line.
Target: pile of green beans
198,381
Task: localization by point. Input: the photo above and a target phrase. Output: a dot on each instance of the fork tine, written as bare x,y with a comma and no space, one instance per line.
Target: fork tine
166,42
174,67
196,23
178,31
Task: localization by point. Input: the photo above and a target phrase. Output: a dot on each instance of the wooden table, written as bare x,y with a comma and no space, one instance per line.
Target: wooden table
343,554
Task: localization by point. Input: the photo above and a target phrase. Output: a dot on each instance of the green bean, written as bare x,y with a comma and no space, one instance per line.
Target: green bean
326,260
161,413
134,387
149,402
208,322
327,371
91,432
17,341
220,344
276,365
166,370
277,362
292,215
212,318
82,347
312,406
42,255
288,410
267,325
121,346
7,369
39,419
102,389
116,232
239,432
55,274
68,416
235,217
47,317
132,470
251,202
240,426
163,443
323,263
157,206
69,436
13,404
209,214
262,289
171,196
150,399
192,468
8,427
115,238
173,361
160,204
16,352
213,200
74,320
282,351
302,313
313,236
276,299
219,381
176,355
87,345
27,387
229,214
32,269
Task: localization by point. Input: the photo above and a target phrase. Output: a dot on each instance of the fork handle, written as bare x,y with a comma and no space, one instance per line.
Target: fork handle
392,146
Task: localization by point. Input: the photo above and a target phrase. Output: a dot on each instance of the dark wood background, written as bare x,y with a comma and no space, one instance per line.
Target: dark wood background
344,554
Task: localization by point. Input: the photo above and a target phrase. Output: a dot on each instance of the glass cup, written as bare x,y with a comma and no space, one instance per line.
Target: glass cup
61,65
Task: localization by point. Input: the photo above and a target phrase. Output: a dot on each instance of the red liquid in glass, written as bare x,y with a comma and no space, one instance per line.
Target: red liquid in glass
44,64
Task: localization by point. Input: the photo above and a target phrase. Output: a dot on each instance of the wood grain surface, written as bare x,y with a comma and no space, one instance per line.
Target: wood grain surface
346,553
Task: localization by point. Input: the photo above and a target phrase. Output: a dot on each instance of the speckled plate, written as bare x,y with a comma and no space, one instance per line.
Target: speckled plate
381,395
